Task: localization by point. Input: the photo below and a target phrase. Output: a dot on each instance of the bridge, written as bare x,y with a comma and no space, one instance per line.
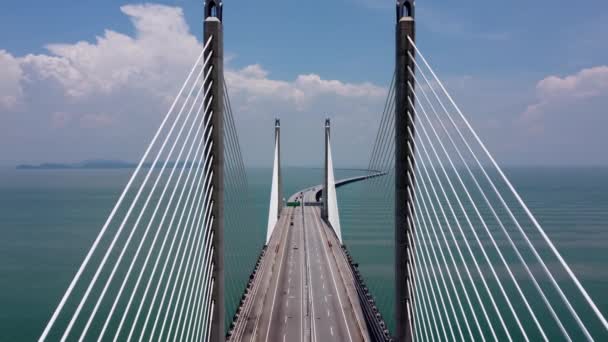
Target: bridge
471,261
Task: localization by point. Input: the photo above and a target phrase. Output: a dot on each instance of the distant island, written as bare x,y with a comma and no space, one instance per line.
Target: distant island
96,165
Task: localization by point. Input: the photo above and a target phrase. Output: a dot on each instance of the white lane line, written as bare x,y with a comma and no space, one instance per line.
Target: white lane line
284,337
325,299
334,281
274,297
331,330
327,312
301,254
311,291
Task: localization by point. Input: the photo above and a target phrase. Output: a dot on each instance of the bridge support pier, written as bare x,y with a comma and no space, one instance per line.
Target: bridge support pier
213,28
404,169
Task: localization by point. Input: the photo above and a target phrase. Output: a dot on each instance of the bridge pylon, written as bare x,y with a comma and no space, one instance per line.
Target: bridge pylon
330,198
404,167
213,29
276,203
324,211
277,134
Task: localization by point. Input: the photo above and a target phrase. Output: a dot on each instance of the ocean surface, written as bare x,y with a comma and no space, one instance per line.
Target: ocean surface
49,218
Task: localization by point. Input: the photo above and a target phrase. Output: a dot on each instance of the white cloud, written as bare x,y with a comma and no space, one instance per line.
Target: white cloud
554,92
120,85
10,80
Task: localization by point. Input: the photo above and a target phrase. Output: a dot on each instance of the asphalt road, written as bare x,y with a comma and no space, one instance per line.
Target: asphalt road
300,294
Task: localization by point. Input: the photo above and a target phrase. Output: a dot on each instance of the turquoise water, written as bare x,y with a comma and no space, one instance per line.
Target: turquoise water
48,220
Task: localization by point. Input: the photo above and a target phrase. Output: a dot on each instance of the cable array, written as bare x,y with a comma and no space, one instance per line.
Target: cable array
483,267
163,216
240,253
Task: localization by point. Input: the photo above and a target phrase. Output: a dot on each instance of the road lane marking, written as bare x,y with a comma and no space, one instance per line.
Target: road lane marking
334,280
311,287
331,329
274,297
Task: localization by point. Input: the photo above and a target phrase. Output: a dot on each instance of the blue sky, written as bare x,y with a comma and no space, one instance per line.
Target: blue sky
493,57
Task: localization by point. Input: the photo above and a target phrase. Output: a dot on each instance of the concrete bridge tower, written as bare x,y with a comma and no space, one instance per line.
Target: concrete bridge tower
213,29
324,211
405,27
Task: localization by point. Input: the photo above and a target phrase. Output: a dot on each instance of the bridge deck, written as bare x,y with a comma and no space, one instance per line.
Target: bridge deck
304,289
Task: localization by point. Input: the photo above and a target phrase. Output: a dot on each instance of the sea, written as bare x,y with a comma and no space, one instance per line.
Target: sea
49,219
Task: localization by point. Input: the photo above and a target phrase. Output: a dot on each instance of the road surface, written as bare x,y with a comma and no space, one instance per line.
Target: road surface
303,290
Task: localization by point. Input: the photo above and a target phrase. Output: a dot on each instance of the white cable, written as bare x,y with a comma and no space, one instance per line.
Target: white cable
416,329
202,267
203,123
202,200
499,222
420,277
207,304
433,250
130,210
384,159
441,229
190,264
203,302
208,328
428,256
189,293
187,266
464,263
434,289
207,203
476,238
421,307
597,312
204,175
483,222
208,301
207,207
118,203
123,320
408,307
151,220
416,333
421,280
202,284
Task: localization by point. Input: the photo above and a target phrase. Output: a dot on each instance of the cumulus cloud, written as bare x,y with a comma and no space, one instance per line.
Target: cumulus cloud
120,85
566,122
10,80
554,91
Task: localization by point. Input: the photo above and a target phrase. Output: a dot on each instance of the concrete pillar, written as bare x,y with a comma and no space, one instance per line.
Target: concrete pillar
405,28
213,28
277,135
324,212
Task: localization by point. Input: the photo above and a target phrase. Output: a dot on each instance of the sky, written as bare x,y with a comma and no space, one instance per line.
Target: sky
93,79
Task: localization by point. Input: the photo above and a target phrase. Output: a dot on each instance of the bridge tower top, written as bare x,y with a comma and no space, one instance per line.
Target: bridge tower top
405,9
213,9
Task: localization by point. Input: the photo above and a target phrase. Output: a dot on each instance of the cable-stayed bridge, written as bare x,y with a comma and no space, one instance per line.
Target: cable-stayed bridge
471,261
